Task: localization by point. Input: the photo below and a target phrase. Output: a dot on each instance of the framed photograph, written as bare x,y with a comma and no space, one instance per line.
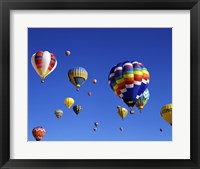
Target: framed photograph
99,84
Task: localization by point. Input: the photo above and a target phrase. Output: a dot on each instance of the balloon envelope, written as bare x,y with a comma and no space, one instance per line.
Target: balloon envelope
94,81
166,113
122,112
77,109
77,76
38,133
96,124
143,99
67,52
129,80
44,63
58,113
69,102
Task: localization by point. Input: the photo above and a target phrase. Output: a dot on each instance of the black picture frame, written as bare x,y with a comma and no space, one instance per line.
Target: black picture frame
7,5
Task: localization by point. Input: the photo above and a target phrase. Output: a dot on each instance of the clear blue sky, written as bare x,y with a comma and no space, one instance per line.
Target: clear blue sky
98,50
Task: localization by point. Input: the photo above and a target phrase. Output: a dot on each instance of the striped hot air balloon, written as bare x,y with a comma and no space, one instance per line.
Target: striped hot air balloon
143,100
129,80
58,113
44,63
77,76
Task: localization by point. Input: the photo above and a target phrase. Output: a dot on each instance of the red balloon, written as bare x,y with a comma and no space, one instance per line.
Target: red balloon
38,133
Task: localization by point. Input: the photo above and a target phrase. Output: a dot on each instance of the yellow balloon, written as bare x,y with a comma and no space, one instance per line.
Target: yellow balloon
69,102
122,112
166,113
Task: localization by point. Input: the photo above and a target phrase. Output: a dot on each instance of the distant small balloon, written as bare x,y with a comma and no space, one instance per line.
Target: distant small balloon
58,113
96,124
67,52
118,107
77,109
122,112
69,102
161,130
89,93
121,128
95,129
94,81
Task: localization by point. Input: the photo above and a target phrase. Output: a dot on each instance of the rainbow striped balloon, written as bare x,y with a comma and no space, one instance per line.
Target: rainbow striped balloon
129,80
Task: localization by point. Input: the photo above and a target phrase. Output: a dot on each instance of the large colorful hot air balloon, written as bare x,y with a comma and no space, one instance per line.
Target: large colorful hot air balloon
143,100
77,76
77,109
166,113
129,80
38,133
69,102
122,112
44,63
58,113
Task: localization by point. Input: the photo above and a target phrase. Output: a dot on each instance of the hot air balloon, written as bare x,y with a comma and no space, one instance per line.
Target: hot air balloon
44,63
143,100
89,93
95,129
58,113
67,52
38,133
118,106
122,112
96,124
129,80
77,76
77,109
69,102
161,130
166,113
94,81
121,128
